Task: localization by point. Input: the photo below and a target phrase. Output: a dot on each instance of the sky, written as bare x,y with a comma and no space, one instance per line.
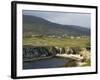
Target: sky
64,18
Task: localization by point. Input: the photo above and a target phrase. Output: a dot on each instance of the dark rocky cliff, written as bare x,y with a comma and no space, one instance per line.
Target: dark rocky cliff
46,51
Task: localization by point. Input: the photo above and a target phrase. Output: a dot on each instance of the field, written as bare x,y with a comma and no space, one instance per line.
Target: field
60,42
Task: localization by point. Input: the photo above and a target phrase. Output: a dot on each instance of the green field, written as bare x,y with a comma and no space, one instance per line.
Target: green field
62,42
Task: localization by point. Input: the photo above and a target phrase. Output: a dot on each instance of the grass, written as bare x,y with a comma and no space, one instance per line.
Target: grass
63,42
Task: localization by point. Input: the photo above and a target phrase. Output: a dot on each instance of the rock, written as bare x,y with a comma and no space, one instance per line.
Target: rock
72,50
86,54
57,50
62,50
88,48
38,51
69,51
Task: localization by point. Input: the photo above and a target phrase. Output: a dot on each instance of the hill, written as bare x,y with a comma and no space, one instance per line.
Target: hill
33,25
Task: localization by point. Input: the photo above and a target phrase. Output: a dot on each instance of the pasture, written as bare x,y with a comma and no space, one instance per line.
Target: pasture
59,42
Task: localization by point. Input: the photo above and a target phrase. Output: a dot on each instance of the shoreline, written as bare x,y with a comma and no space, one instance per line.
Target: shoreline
34,59
75,57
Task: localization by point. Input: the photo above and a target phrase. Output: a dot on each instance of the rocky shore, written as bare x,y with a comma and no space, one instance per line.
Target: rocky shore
31,53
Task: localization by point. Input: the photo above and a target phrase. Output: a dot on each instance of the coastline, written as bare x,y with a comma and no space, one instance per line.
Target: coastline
34,59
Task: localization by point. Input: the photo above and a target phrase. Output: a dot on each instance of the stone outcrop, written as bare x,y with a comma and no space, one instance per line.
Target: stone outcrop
42,51
85,53
38,51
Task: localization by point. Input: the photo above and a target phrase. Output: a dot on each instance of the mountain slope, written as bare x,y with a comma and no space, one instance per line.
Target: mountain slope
37,25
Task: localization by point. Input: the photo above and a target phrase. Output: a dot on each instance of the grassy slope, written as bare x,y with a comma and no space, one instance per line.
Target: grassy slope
63,42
